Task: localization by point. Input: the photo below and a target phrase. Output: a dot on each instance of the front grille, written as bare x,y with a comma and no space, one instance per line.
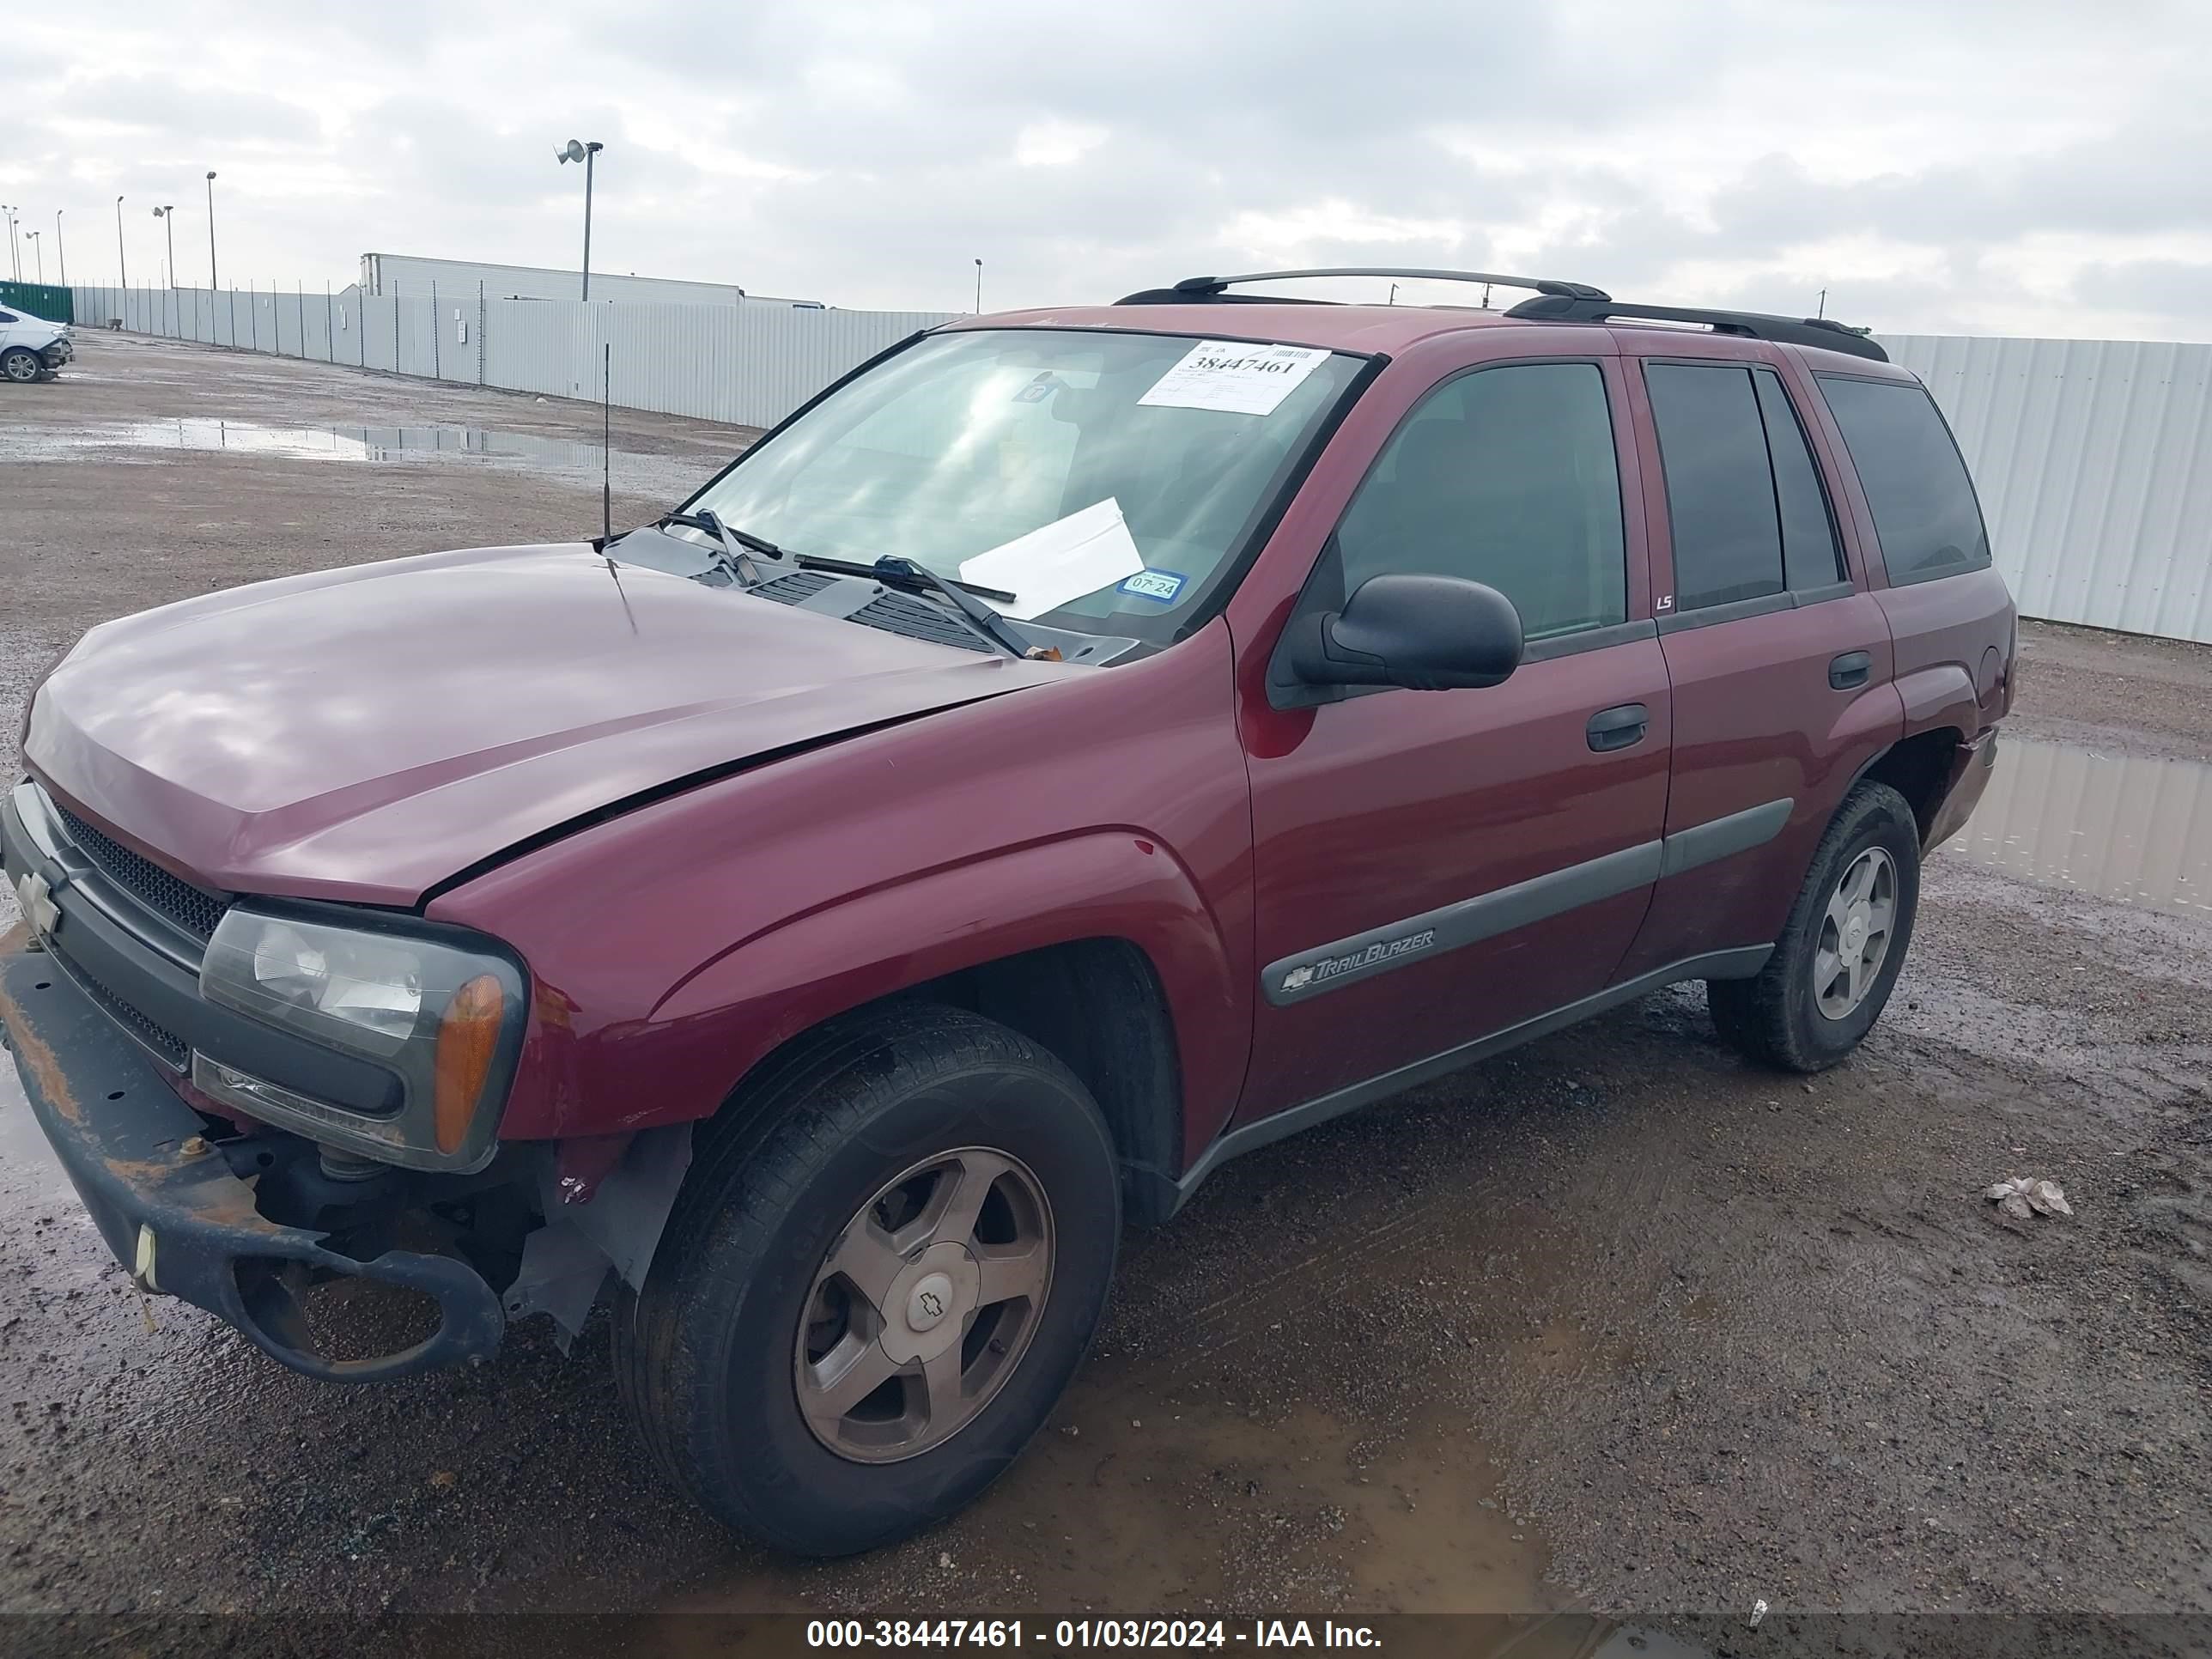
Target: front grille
190,907
165,1043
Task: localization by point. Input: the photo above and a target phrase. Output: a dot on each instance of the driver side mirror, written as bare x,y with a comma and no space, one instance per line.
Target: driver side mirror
1423,632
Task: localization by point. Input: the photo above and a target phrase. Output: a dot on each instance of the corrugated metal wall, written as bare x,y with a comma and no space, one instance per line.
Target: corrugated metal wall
748,364
2094,459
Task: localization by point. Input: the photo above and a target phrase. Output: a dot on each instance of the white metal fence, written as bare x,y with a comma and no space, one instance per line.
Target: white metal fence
748,364
2094,459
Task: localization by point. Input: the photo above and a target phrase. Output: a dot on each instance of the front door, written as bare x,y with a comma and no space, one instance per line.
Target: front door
1436,867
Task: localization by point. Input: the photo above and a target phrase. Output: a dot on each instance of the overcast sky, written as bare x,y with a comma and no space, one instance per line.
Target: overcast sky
2018,168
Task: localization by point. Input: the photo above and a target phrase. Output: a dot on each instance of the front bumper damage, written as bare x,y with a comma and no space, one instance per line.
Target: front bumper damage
177,1212
100,999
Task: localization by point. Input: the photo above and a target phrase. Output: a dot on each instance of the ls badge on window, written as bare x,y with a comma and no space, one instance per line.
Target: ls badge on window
36,899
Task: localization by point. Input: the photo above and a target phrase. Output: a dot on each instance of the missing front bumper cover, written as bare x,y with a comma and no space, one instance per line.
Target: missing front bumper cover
137,1157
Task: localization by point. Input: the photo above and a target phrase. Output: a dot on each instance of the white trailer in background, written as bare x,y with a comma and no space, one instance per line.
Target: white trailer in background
385,274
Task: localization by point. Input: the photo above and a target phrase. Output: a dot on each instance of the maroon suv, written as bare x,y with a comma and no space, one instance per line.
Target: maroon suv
1075,748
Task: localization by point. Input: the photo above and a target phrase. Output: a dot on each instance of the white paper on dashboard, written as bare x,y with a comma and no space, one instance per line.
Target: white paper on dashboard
1243,380
1059,562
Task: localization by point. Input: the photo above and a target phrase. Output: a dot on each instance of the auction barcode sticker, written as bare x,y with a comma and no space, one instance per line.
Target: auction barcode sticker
1241,380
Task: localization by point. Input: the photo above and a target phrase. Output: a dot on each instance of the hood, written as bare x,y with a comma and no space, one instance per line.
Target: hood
363,734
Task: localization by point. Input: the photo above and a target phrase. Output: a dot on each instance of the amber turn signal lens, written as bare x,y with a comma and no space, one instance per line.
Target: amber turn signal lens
468,1037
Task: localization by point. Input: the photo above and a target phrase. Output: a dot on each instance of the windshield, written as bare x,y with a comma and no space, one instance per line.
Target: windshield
1129,468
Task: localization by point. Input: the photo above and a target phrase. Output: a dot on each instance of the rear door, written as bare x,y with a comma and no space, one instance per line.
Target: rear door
1779,660
1436,867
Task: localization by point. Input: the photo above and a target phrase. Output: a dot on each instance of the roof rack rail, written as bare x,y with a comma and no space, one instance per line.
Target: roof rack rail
1200,291
1822,332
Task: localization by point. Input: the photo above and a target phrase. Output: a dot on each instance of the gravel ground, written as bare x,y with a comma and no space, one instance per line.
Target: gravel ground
1612,1327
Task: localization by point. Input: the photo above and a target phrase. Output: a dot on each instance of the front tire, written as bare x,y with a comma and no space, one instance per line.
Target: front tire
1842,948
885,1264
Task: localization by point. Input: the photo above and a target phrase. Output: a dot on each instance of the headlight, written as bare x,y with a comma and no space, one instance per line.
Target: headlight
447,1019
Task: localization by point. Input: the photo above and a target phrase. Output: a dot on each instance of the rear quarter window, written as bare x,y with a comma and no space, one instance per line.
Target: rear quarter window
1916,483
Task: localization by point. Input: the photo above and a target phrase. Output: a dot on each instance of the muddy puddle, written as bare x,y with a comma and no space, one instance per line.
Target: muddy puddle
2129,828
1167,1517
149,440
1155,1513
28,1166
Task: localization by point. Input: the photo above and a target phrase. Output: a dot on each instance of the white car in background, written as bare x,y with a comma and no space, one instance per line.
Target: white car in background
31,348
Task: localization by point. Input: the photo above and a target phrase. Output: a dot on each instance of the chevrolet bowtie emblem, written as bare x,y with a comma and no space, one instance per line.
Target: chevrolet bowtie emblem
36,899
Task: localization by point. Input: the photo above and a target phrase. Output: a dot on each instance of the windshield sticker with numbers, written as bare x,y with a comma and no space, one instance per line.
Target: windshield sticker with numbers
1161,585
1241,380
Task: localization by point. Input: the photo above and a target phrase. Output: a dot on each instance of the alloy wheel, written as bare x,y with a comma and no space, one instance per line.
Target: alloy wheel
921,1311
1855,934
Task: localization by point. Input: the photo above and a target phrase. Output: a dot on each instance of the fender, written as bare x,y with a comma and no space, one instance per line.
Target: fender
719,1023
1941,694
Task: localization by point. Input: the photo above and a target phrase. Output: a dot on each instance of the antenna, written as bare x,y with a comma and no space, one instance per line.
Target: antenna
606,481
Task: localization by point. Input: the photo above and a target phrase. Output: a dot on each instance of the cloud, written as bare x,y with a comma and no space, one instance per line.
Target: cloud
2147,287
140,104
1961,168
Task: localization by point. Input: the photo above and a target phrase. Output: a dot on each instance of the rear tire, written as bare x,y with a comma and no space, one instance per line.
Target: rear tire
833,1155
21,364
1842,948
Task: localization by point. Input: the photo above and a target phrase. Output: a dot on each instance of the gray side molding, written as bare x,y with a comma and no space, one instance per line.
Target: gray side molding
1307,973
1469,921
1720,838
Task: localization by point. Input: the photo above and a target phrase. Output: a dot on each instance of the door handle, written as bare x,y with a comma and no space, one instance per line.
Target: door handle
1850,671
1620,727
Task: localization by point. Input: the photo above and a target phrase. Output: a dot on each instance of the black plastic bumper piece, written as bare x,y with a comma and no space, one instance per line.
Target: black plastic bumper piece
169,1205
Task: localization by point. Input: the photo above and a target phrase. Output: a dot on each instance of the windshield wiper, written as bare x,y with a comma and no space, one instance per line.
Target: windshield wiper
986,622
731,543
857,568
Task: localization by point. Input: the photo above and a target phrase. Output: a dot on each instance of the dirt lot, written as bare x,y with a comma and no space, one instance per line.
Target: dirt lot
1613,1326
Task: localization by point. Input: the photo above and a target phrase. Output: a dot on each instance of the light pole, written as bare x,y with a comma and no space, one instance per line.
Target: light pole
38,254
168,216
15,254
122,264
979,288
61,252
577,149
211,182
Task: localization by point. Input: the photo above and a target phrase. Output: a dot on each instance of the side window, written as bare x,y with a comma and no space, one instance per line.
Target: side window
1506,476
1811,557
1720,485
1743,497
1924,503
7,316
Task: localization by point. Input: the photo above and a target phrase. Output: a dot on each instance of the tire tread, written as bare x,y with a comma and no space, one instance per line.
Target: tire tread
1754,1016
749,1166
